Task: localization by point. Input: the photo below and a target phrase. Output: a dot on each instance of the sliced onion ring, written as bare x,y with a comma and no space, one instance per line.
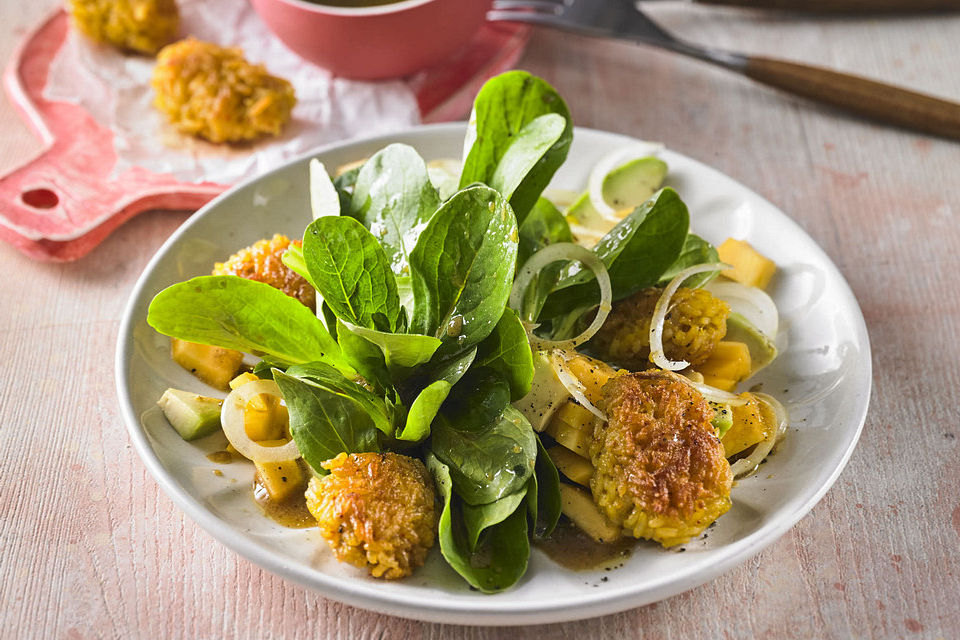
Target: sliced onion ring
571,383
555,253
750,302
660,315
610,162
231,417
746,466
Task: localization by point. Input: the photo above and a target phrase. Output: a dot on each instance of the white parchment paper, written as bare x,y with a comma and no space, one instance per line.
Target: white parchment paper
115,89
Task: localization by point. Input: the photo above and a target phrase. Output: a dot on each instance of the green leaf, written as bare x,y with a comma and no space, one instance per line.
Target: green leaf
462,268
241,314
478,518
452,369
344,184
695,251
507,351
423,410
500,559
351,272
324,423
545,225
543,495
478,399
293,259
332,380
528,147
503,108
400,350
488,463
394,198
364,356
636,253
324,197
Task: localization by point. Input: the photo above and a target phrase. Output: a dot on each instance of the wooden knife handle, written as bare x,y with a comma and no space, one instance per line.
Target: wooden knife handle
843,6
858,95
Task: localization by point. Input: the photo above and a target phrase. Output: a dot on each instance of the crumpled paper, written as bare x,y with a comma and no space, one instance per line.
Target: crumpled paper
115,88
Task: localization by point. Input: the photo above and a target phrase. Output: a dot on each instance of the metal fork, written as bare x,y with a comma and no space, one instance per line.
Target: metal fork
624,20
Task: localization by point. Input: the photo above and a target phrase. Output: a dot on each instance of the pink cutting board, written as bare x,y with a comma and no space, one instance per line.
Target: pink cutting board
62,204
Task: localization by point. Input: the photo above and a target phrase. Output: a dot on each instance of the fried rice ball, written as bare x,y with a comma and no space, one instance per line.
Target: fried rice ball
211,91
376,510
263,262
660,470
695,323
135,25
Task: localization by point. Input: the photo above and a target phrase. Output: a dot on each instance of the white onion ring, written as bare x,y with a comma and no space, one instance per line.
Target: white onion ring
660,315
555,253
231,417
610,162
750,302
746,466
571,383
711,393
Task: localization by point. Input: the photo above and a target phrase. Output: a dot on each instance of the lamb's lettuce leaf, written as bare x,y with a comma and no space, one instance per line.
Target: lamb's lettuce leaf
241,314
488,463
636,253
394,198
325,422
503,108
695,251
462,268
351,271
423,410
507,351
499,559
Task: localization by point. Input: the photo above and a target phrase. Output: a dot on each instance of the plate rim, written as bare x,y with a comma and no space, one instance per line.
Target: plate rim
491,613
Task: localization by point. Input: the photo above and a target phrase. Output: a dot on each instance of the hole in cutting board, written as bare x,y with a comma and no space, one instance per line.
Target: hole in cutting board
40,198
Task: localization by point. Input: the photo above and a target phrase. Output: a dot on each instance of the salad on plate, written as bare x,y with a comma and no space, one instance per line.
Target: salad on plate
455,355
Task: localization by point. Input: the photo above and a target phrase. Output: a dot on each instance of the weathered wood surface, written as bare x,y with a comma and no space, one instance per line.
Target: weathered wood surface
90,548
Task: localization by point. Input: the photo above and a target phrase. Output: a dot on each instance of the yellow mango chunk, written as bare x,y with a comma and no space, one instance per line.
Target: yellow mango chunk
243,379
752,423
749,267
280,479
592,373
571,465
729,361
572,427
724,384
264,417
578,505
214,365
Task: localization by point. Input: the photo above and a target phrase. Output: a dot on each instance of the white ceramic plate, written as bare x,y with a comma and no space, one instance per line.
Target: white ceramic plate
823,375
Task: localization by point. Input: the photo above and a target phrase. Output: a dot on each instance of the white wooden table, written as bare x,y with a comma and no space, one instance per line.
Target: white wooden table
90,548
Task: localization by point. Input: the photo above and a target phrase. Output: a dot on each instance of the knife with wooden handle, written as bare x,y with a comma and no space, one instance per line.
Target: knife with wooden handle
842,6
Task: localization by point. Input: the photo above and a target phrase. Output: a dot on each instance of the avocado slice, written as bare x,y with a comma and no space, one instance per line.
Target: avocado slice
762,349
546,395
633,183
192,415
722,418
627,186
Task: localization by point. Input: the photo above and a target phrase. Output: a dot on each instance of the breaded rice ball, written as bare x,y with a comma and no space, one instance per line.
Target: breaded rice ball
211,91
376,510
136,25
263,262
660,471
695,323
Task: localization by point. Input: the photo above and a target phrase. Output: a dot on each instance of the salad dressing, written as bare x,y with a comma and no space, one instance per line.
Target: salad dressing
571,548
292,512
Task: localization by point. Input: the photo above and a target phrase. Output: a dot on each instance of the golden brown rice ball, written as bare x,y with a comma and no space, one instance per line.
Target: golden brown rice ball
695,323
137,25
376,510
211,91
659,468
263,262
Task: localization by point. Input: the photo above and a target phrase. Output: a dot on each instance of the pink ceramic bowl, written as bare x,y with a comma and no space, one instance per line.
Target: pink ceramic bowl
371,43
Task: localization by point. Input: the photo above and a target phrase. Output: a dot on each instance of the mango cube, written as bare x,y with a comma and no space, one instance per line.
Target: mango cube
749,267
571,465
214,365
